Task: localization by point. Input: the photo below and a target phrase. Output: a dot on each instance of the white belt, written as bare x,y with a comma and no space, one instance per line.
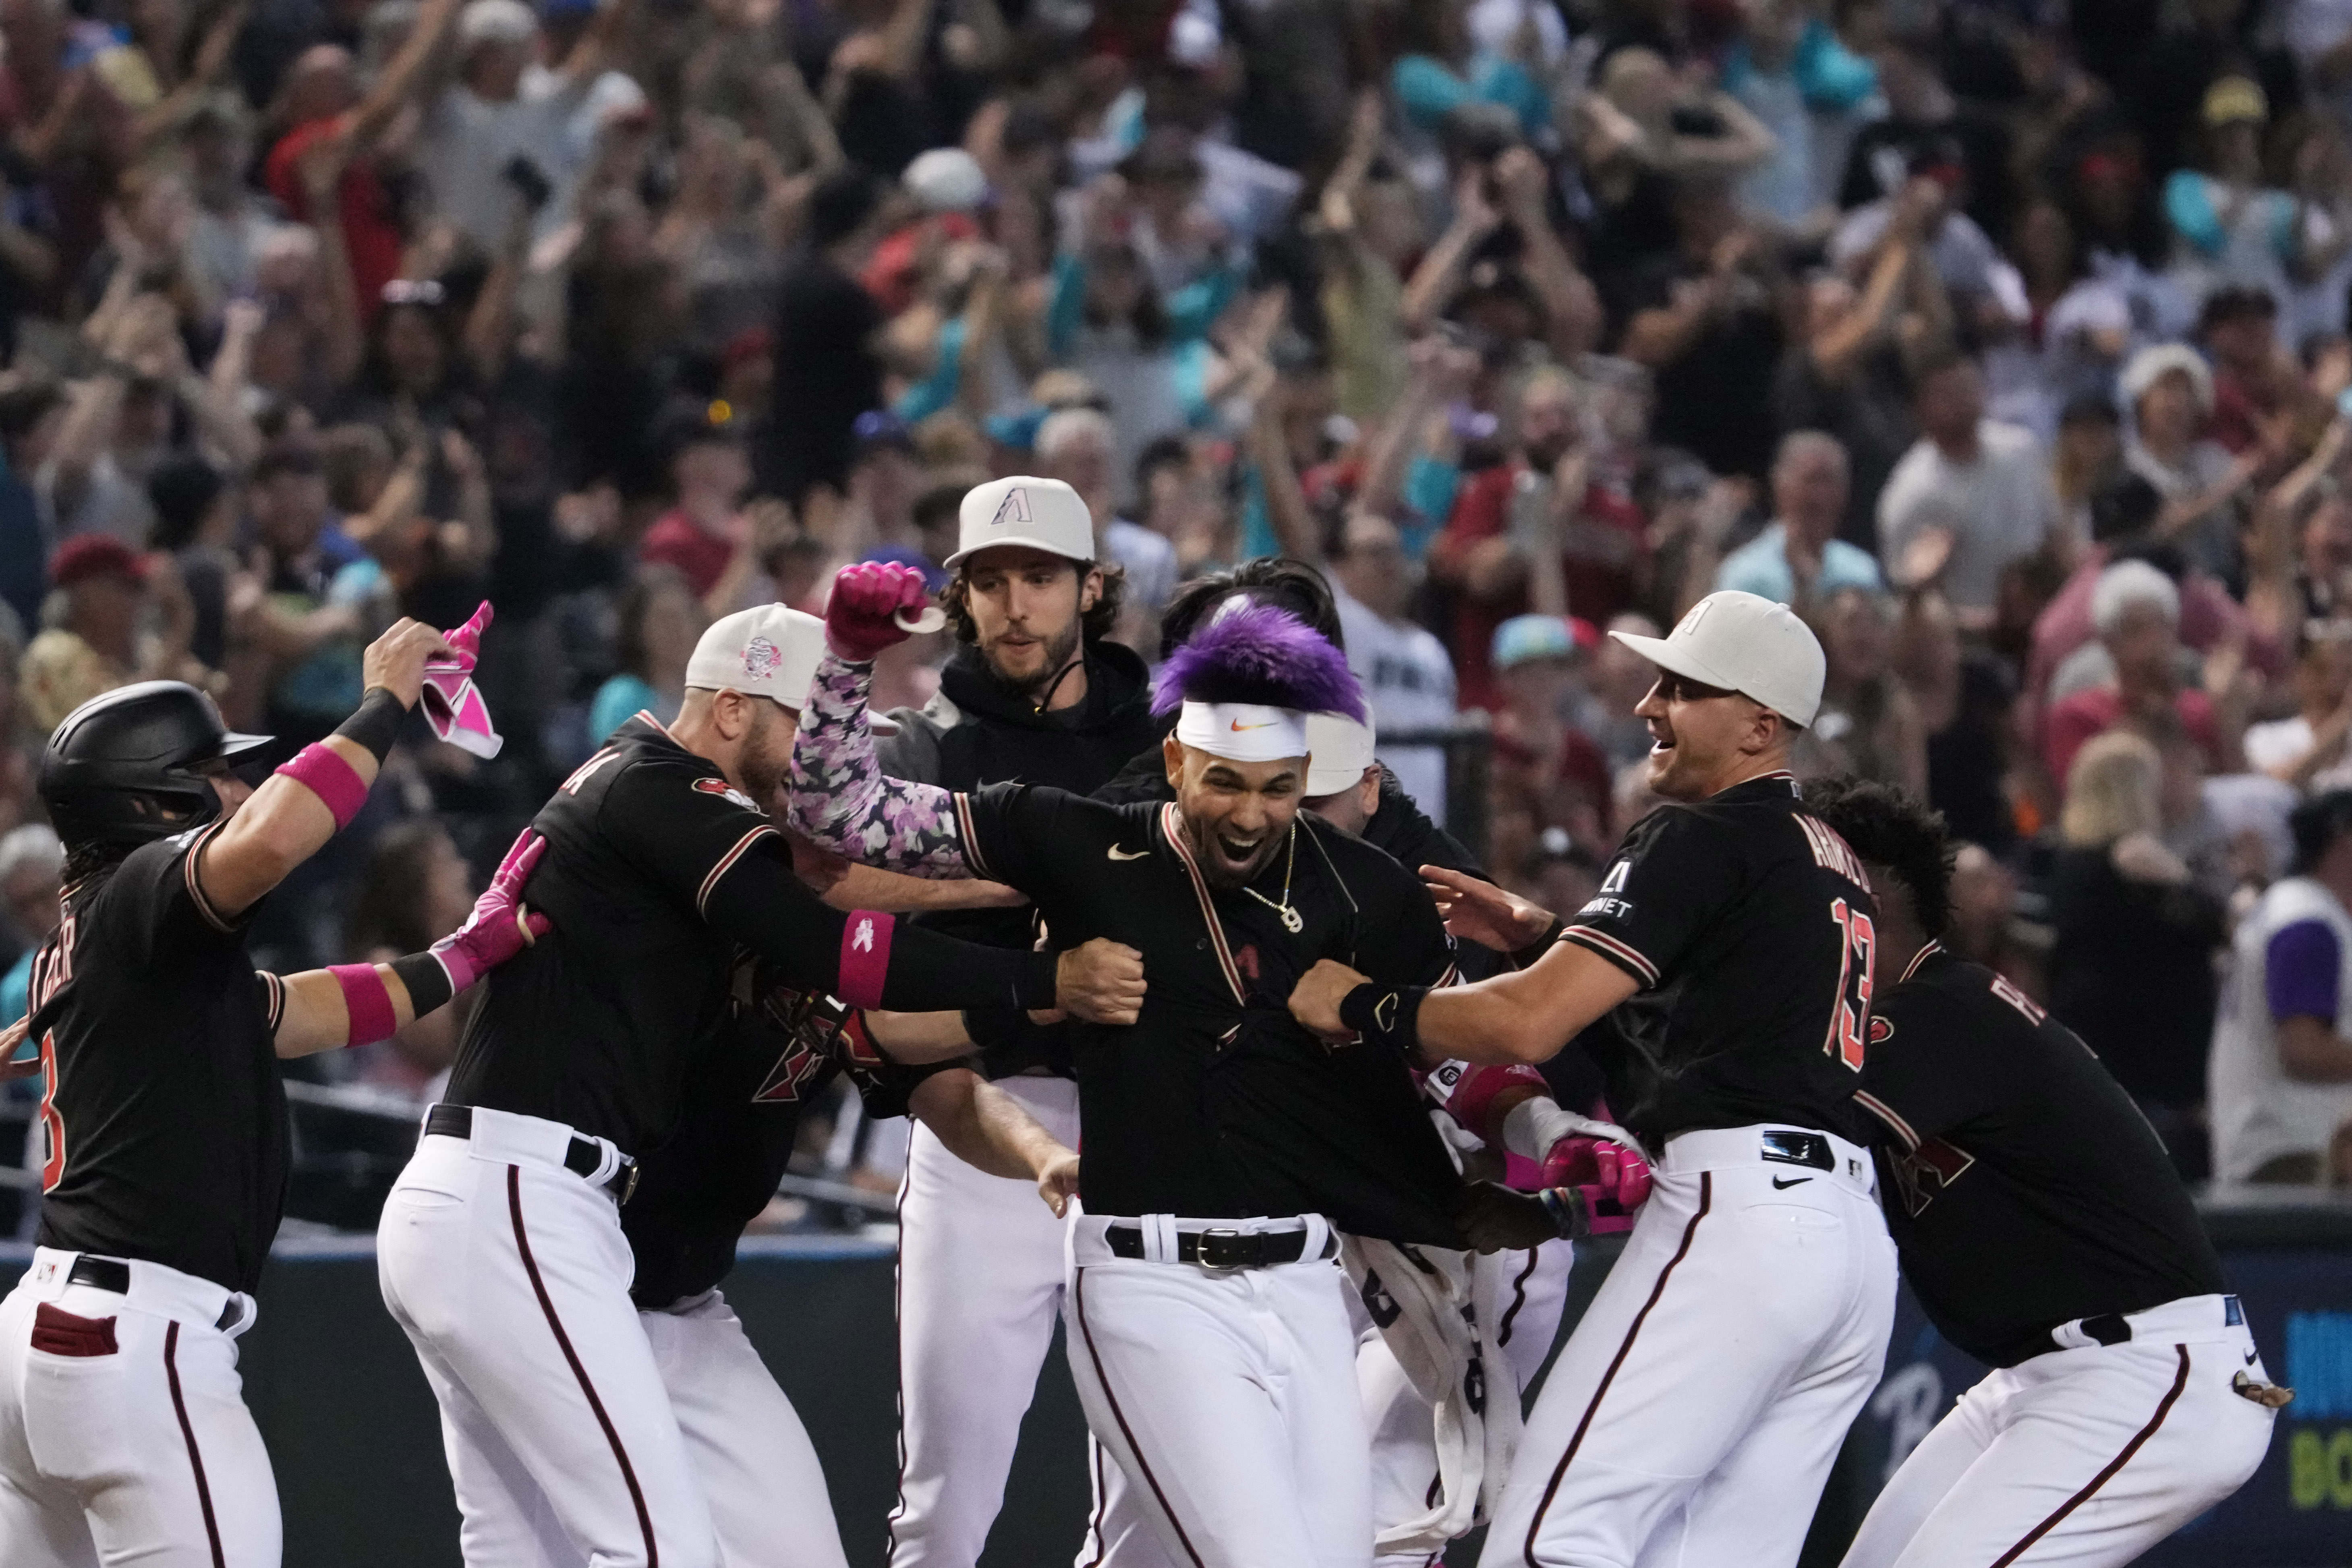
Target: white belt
2191,1320
155,1289
1775,1146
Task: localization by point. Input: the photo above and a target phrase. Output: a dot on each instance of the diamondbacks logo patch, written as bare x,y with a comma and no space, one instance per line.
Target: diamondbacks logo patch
1014,508
725,791
761,658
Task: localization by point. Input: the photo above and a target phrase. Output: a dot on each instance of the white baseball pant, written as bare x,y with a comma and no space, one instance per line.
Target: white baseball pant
981,1269
1696,1410
123,1432
2083,1458
511,1277
1519,1296
1227,1397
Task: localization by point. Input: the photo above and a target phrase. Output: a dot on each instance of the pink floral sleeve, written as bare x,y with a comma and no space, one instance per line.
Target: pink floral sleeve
840,798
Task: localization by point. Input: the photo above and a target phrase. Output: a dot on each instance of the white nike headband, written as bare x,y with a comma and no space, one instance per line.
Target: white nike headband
1243,731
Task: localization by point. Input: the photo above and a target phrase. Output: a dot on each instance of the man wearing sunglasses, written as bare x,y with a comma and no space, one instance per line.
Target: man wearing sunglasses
1721,977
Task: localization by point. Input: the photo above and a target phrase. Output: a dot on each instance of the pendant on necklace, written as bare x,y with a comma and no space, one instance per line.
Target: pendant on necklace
1291,921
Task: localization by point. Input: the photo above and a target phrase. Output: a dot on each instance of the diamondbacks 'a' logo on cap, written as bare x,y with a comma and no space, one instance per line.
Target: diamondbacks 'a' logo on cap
761,658
1014,508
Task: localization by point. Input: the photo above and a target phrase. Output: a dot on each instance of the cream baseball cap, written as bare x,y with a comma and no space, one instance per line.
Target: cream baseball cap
766,651
1746,643
1339,751
1038,514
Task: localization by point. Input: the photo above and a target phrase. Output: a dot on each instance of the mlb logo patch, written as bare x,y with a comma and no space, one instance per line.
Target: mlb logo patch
761,658
1014,508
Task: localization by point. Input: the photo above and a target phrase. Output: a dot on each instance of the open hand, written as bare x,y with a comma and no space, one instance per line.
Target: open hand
1477,911
1101,981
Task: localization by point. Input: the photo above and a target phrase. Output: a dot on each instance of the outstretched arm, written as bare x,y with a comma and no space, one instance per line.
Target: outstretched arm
988,1130
1526,1017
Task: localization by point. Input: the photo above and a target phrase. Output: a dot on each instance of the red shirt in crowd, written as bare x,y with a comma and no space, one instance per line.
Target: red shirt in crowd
2093,713
1598,588
2209,618
371,230
675,541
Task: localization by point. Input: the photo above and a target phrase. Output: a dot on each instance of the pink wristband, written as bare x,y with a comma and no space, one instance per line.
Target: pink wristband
865,957
368,1002
1472,1103
321,770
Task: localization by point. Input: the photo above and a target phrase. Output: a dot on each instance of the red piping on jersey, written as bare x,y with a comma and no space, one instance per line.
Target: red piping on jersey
1889,1115
188,1431
970,838
195,890
1607,946
2163,1409
1552,1488
899,1317
1097,1459
563,1344
1919,958
727,864
1078,1294
1518,1300
1172,825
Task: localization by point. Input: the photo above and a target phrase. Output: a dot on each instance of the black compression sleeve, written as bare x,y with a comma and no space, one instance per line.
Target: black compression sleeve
760,903
376,723
427,982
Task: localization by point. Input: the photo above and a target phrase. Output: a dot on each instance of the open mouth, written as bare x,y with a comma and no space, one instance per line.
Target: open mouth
1238,852
1661,742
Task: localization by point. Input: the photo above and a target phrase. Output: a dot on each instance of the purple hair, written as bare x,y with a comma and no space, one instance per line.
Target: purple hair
1258,654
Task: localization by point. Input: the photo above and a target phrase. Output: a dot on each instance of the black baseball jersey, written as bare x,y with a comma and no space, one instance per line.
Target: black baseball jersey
777,1050
163,1118
2022,1187
656,868
1747,927
1216,1104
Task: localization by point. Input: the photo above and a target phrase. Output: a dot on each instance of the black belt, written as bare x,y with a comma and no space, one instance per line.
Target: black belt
581,1158
111,1274
1808,1149
2114,1328
1221,1248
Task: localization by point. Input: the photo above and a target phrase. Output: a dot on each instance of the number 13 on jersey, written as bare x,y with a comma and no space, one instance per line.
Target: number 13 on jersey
1850,1022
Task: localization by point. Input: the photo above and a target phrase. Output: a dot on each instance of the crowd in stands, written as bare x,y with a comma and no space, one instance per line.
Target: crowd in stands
2006,339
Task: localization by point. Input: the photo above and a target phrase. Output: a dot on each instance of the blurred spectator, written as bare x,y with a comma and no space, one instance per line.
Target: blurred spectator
2282,1069
195,526
1971,496
31,408
1868,726
2251,381
1076,445
415,885
1924,116
1797,559
2229,227
2170,394
1965,696
321,596
2131,969
703,531
98,643
1846,375
826,374
1408,676
1551,765
661,617
2088,459
2137,612
32,870
2306,748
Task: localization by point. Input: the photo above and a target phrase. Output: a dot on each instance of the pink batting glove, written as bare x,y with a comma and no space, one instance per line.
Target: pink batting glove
1611,1168
467,640
861,617
500,926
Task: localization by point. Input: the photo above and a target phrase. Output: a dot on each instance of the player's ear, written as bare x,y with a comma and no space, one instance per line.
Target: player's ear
1090,587
1172,752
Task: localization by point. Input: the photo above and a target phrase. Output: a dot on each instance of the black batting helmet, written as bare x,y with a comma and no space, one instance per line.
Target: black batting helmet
118,771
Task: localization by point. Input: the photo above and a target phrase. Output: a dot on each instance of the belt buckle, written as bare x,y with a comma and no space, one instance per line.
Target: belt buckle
1202,1253
1810,1150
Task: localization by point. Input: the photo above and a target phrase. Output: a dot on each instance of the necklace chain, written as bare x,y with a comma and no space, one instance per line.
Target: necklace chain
1292,921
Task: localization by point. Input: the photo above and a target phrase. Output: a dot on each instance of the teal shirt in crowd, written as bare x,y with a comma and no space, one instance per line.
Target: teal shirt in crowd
1760,567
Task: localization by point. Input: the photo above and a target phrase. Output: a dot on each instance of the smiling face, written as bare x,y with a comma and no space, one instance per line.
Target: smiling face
1701,736
1236,815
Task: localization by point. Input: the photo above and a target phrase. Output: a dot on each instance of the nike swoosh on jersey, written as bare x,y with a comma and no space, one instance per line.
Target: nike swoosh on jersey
1117,854
1791,1182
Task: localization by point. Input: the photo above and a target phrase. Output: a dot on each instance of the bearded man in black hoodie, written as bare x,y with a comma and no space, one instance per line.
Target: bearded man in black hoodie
1034,693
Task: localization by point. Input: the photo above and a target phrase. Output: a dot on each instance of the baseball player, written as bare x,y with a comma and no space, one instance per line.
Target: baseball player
1033,692
778,1049
1698,1404
2044,1231
1206,1332
123,1437
501,1248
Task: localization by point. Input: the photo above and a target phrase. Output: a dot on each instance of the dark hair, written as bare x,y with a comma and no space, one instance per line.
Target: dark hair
1093,625
24,402
938,504
637,599
846,198
2124,506
1160,452
1935,363
1886,827
285,459
2316,825
182,489
2089,406
2235,303
1287,585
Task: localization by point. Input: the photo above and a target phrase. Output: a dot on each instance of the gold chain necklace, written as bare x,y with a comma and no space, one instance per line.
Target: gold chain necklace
1292,921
